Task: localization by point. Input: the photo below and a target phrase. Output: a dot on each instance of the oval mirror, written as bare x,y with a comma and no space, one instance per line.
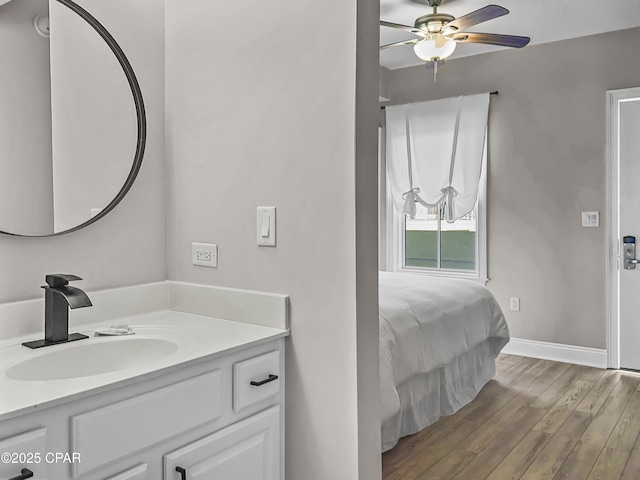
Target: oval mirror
71,138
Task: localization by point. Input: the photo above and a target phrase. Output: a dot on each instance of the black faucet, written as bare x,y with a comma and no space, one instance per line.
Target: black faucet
58,298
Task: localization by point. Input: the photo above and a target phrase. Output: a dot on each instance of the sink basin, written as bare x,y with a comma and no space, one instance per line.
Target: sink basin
95,357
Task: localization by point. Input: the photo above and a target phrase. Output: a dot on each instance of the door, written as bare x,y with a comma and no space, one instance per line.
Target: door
247,450
624,150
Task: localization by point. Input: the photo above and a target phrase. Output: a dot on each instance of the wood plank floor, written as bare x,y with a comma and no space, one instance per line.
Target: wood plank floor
537,419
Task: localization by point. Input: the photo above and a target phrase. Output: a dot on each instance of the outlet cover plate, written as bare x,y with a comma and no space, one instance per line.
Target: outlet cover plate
204,254
514,303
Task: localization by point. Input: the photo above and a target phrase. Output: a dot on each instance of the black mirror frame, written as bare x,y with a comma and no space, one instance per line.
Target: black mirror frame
140,114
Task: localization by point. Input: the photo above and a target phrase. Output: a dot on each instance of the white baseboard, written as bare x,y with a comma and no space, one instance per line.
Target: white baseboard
591,357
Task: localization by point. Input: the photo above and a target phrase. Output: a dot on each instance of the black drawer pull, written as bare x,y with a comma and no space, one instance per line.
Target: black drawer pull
182,472
266,380
24,473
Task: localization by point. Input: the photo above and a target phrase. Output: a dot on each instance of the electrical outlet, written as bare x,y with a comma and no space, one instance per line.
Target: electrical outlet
204,254
515,304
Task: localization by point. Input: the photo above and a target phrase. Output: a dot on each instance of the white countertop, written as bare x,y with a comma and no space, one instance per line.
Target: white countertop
202,338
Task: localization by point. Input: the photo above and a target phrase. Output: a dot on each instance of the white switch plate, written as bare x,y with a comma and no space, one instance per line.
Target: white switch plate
590,219
266,226
204,254
514,303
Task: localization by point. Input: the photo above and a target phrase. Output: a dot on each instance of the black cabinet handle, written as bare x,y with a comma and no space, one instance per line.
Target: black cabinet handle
266,380
24,473
182,472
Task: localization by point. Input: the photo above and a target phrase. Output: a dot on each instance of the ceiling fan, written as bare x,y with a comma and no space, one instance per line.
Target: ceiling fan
439,33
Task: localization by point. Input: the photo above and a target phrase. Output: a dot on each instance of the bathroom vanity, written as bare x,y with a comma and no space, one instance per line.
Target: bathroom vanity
197,392
188,396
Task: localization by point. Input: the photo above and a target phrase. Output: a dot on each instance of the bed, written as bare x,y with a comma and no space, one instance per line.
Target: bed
439,338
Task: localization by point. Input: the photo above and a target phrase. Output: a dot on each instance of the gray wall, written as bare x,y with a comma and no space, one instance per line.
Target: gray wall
546,165
383,83
366,245
129,245
25,121
267,122
93,120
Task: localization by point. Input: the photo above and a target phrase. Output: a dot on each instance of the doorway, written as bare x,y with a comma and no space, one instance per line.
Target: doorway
623,155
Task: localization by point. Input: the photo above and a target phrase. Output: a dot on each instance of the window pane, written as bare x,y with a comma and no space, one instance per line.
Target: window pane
421,238
458,247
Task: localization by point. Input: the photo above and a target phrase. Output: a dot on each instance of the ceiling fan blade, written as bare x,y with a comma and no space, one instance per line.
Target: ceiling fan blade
397,44
491,39
482,15
406,28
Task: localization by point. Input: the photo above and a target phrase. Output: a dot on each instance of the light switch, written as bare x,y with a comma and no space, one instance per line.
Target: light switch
590,219
266,226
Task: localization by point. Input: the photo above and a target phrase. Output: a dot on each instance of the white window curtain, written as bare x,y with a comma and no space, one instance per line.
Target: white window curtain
434,153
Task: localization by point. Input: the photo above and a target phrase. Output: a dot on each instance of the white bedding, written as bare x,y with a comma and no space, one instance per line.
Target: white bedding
438,341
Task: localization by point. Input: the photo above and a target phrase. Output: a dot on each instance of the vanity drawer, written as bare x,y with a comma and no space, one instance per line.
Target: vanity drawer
26,450
121,429
256,379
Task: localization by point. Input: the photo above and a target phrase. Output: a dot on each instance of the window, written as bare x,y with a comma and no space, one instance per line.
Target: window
431,242
428,244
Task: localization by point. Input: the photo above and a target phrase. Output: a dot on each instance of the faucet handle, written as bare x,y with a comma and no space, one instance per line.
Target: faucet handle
56,280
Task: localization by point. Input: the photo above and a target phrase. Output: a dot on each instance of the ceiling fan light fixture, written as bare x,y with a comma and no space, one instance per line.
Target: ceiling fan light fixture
429,49
439,33
434,27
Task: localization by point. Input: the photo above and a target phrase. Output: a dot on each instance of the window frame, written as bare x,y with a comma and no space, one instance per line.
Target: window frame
396,246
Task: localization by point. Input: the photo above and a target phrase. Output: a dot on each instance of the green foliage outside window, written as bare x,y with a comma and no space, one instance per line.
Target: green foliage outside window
458,249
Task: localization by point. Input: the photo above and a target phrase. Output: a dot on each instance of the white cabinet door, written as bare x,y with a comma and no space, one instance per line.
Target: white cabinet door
247,450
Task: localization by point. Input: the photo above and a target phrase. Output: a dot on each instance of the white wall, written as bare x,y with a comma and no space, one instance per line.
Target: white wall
262,110
546,165
128,246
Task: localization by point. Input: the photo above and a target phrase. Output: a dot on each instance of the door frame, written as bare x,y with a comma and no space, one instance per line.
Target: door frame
614,98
